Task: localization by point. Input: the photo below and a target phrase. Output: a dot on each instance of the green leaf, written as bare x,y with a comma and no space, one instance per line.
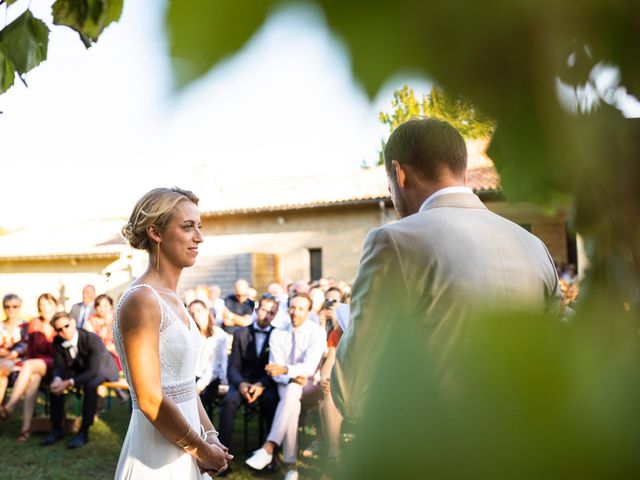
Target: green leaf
87,17
203,32
25,41
7,74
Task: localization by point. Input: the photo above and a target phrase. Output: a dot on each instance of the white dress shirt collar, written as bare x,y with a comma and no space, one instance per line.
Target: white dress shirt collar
308,323
72,345
443,191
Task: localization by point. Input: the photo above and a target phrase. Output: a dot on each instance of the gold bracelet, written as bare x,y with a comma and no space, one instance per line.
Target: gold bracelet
182,442
191,445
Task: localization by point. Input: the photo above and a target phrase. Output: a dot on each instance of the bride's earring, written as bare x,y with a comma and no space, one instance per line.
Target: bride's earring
158,259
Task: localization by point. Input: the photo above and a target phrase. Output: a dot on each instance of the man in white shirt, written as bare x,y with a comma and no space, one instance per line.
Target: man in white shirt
295,352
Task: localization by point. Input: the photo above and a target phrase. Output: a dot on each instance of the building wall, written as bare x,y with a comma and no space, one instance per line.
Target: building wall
29,279
339,232
285,237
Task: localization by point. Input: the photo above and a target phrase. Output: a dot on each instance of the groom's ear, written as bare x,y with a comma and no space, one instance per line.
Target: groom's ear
401,174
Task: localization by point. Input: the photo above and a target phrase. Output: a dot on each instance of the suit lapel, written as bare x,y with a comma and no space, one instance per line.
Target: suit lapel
251,347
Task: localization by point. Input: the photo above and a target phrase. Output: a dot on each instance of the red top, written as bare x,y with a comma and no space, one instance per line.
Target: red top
334,338
40,341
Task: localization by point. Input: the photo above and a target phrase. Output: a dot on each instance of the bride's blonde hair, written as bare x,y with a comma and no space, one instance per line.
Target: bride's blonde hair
154,208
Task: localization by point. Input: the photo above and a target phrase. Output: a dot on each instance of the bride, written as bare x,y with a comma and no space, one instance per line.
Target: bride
170,435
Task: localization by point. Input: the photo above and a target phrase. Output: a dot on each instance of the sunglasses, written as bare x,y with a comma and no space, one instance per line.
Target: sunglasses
7,307
63,327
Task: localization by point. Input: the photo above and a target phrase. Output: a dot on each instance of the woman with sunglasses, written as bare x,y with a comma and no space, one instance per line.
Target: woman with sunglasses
13,341
37,364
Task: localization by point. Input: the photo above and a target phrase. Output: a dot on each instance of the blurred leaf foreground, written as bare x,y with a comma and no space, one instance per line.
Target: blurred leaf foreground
519,396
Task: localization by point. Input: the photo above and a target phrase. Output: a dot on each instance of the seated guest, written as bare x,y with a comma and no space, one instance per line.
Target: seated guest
279,294
80,360
295,353
211,369
327,315
238,308
217,303
37,363
83,310
330,417
13,340
102,324
248,380
317,297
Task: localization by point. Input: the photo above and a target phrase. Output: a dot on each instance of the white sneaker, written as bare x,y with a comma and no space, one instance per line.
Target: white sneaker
291,475
259,459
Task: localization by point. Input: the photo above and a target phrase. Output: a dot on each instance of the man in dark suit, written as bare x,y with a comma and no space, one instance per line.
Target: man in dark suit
82,361
248,381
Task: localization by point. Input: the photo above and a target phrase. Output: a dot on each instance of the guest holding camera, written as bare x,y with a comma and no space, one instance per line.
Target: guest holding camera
327,315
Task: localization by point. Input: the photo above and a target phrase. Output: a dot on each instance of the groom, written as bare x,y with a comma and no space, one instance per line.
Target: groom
446,258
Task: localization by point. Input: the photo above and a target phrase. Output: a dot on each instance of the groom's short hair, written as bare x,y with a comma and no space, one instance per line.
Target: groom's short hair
426,145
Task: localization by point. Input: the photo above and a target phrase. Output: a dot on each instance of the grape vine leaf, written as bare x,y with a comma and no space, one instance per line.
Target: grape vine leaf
7,74
87,17
25,41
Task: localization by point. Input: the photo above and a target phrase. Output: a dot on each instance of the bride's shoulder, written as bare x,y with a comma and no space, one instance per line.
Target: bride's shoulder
139,305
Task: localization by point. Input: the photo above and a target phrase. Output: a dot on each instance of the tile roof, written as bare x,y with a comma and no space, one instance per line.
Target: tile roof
92,239
102,238
297,193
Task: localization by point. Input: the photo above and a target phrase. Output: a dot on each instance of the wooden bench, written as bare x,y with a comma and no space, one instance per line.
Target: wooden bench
120,384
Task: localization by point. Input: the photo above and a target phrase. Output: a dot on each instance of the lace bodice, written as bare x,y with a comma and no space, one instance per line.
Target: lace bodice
179,349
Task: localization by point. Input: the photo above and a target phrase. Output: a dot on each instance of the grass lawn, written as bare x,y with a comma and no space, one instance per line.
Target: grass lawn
97,460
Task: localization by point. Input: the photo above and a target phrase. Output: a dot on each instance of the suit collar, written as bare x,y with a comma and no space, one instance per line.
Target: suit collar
456,200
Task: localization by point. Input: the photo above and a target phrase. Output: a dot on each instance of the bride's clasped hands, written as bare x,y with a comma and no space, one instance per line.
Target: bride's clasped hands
213,458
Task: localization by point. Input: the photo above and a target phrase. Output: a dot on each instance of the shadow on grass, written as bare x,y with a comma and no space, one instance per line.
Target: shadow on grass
97,460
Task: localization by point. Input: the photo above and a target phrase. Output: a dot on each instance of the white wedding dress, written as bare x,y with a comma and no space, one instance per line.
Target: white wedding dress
146,453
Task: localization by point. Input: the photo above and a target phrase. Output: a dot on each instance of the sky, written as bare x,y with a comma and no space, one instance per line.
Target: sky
97,128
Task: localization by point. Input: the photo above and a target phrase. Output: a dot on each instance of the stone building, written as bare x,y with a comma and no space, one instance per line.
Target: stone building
263,230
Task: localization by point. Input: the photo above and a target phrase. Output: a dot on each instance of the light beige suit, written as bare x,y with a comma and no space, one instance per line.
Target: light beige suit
435,268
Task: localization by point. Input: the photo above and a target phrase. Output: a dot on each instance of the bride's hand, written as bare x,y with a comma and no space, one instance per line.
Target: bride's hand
210,458
214,440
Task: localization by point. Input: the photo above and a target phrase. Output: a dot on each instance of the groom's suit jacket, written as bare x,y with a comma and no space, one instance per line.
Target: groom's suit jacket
435,268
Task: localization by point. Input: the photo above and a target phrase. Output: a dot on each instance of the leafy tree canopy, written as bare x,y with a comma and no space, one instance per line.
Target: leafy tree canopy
458,112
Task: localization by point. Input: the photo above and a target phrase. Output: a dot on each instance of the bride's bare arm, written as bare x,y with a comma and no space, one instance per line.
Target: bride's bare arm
139,324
